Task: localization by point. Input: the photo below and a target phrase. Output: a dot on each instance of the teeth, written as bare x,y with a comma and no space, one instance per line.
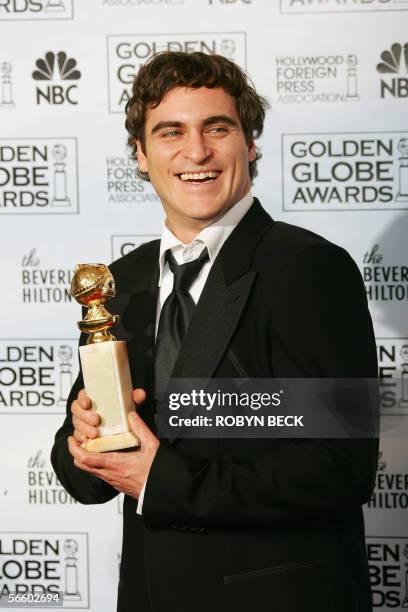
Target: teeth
198,176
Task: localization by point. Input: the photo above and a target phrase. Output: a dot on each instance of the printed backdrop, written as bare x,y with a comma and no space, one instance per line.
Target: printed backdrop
335,160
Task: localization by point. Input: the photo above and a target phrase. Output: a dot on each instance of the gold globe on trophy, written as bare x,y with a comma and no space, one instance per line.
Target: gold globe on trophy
104,360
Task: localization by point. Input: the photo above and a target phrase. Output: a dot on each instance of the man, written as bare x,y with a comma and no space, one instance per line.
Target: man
226,524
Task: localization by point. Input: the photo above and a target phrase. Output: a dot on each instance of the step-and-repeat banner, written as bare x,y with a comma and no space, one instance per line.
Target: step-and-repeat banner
335,160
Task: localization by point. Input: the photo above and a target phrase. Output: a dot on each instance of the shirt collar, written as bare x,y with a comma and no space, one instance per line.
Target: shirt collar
213,236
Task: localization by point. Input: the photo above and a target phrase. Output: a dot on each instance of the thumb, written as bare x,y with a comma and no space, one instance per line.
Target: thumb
139,396
139,427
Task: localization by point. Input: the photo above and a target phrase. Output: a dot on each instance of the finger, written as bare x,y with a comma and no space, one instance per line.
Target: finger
75,448
79,454
81,466
73,445
83,426
139,396
87,416
79,437
87,430
87,468
139,427
84,401
90,458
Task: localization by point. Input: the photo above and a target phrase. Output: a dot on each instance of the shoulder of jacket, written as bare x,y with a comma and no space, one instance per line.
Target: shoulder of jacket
284,243
294,235
145,251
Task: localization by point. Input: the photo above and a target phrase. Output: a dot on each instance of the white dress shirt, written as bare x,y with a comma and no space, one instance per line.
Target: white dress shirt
213,237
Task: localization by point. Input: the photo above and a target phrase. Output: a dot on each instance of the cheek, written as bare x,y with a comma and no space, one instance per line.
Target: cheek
241,166
158,170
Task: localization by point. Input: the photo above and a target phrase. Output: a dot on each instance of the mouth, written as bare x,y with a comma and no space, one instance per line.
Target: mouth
198,178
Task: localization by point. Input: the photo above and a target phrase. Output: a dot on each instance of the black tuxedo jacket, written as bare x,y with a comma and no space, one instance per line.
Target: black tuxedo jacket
233,525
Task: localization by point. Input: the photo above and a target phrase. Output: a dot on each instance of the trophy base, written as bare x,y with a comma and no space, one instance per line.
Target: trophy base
111,443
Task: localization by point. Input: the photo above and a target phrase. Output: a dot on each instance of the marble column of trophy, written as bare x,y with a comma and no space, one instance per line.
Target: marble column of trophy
104,360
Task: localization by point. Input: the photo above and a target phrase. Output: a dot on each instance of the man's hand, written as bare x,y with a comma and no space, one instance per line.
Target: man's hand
85,421
125,471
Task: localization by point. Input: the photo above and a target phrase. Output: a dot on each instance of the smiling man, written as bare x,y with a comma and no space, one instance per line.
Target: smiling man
200,157
225,524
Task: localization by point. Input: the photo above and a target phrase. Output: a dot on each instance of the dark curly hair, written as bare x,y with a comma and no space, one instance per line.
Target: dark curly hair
167,70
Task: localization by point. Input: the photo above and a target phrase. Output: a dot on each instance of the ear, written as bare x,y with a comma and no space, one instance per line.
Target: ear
141,157
251,151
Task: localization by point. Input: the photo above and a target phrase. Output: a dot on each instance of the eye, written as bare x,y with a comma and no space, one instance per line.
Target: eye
218,129
171,134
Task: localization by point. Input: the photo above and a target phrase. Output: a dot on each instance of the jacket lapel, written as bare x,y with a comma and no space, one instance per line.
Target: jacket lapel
212,325
223,299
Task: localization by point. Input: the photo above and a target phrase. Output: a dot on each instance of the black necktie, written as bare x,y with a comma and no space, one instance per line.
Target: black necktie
175,316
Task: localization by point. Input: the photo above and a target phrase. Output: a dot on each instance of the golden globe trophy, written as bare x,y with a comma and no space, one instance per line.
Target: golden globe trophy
104,360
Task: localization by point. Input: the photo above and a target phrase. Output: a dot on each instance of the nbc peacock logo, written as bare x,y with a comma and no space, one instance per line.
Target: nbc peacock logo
394,61
60,69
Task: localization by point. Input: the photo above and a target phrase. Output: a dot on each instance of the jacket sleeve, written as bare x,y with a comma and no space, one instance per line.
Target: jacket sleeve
320,327
84,487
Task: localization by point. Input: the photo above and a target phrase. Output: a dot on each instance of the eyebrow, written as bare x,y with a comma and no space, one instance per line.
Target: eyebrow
207,121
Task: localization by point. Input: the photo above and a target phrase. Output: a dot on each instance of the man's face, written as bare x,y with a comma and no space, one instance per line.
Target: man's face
196,156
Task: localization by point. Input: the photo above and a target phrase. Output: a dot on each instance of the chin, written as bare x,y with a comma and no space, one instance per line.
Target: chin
205,209
204,214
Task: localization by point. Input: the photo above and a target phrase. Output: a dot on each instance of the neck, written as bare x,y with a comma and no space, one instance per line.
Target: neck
185,234
187,229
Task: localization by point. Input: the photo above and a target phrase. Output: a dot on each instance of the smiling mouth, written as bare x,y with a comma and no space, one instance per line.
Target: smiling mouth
199,177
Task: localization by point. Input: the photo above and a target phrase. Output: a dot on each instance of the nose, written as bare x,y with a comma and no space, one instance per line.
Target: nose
196,148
